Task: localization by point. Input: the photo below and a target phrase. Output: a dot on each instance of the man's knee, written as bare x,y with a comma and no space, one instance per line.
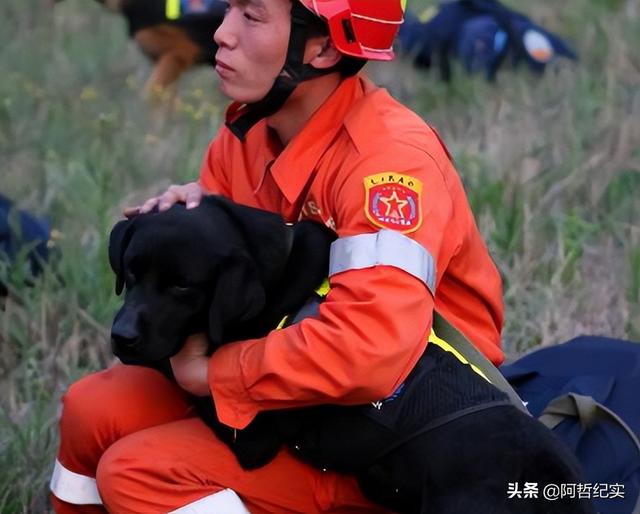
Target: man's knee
102,407
134,475
126,398
115,475
84,407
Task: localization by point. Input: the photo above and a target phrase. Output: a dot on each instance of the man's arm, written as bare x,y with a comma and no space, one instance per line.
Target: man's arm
375,321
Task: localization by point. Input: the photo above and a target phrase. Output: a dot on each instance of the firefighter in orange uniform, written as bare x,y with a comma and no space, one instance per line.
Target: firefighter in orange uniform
308,137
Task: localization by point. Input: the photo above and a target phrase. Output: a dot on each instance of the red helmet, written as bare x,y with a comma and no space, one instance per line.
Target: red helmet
361,28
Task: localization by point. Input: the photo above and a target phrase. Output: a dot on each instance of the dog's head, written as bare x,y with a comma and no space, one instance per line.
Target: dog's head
187,271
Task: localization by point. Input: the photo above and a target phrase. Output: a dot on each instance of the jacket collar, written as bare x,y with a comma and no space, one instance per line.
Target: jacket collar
295,165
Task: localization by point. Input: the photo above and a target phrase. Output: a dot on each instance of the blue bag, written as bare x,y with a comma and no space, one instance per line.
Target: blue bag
586,390
20,231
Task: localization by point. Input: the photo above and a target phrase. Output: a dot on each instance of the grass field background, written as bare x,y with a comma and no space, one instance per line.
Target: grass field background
551,165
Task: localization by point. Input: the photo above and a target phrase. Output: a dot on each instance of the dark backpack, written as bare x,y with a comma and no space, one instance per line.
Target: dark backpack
587,391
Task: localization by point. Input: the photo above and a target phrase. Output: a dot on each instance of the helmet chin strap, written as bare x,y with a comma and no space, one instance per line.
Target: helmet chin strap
293,72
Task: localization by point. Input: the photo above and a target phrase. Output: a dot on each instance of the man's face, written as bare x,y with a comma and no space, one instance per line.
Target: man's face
252,41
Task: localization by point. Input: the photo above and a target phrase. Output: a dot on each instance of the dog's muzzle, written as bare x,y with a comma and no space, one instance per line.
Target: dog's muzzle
128,343
126,340
125,347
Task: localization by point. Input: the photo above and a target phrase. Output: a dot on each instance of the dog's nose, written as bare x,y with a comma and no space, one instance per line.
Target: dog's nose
125,332
124,335
122,341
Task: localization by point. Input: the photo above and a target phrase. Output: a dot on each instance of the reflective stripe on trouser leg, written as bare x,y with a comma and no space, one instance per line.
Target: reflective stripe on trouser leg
387,248
72,487
82,490
224,502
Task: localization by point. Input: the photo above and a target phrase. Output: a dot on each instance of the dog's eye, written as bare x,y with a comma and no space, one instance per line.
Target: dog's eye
129,278
181,290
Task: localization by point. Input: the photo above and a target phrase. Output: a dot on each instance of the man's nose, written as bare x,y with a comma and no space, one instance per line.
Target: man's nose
224,35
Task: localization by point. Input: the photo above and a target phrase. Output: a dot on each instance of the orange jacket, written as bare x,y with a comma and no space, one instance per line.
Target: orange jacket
363,165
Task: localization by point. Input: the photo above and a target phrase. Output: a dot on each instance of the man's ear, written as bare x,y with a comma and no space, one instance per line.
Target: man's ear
239,296
321,53
118,242
269,239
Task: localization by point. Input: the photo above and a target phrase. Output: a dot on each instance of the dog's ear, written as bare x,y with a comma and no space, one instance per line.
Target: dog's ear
238,297
268,237
118,242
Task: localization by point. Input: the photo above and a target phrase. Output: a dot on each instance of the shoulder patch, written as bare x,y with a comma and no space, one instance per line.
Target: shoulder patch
393,201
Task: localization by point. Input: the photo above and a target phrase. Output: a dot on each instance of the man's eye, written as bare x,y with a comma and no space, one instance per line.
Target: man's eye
250,16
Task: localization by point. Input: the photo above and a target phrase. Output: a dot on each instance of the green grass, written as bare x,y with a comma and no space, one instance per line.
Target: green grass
551,164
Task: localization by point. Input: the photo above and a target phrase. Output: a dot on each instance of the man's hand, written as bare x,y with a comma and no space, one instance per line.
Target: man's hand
190,365
190,194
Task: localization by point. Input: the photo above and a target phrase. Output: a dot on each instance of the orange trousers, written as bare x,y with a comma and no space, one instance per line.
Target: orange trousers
134,432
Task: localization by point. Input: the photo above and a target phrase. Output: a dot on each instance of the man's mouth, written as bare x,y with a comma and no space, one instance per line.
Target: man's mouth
223,66
223,69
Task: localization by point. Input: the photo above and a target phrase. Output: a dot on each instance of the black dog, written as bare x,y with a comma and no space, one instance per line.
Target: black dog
231,271
446,442
175,39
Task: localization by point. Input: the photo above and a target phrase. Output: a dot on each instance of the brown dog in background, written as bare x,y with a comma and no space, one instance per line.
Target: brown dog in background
175,34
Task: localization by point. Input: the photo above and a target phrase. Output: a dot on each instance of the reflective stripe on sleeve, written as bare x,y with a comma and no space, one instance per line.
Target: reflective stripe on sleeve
225,501
387,248
72,487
